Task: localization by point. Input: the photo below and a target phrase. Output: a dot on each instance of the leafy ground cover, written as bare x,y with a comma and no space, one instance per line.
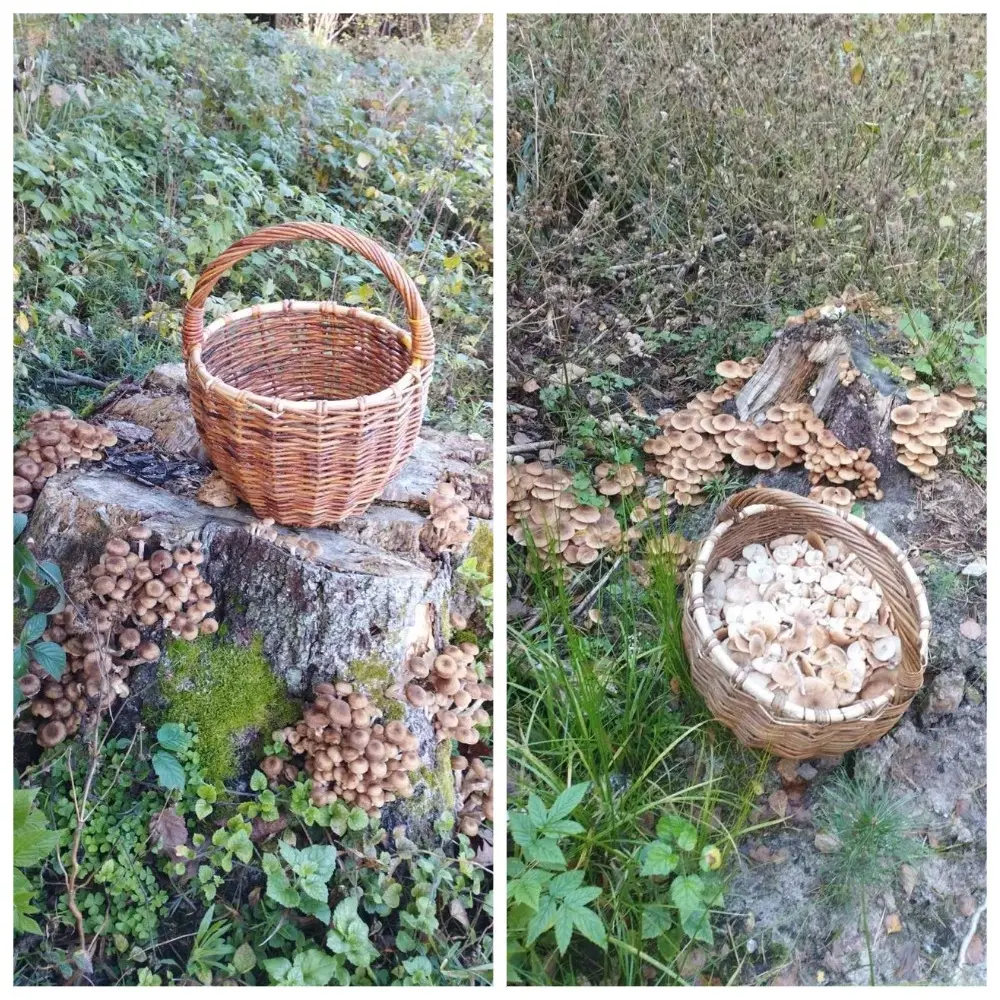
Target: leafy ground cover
143,146
677,187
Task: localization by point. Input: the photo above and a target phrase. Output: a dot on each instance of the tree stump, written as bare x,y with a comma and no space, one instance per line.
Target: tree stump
804,364
372,595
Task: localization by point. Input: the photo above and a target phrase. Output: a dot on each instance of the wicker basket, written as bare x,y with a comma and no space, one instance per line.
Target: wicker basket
308,408
763,719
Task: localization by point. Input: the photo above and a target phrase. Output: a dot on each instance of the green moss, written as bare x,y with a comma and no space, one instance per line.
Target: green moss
481,549
465,635
373,676
227,690
441,779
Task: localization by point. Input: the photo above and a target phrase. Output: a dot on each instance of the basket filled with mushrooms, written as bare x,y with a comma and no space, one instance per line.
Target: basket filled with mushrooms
806,628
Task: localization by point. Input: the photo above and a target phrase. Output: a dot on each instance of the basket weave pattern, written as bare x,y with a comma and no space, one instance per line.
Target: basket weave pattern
308,408
766,721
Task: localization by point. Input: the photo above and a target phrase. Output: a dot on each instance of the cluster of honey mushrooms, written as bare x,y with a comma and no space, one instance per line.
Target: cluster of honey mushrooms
806,620
352,756
55,440
129,590
691,449
921,424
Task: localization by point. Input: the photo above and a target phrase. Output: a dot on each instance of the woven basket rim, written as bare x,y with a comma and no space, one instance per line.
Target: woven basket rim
868,710
388,396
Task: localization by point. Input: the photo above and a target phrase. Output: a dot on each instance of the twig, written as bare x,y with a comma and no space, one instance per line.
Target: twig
528,411
968,938
73,379
520,449
595,590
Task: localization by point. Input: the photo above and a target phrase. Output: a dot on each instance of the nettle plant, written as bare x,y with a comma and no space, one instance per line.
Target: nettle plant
543,895
673,860
672,881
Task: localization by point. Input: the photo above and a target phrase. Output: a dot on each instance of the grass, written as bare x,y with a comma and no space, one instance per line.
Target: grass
694,179
614,707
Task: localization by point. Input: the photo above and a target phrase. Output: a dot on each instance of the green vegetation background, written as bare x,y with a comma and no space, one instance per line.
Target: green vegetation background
145,145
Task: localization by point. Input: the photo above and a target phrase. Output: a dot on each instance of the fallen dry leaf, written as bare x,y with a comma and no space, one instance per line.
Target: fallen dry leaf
457,910
788,770
908,877
893,923
971,629
168,832
778,801
692,963
975,953
216,492
826,843
966,904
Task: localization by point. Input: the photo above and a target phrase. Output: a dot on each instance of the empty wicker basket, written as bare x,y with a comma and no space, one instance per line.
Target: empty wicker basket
308,408
764,720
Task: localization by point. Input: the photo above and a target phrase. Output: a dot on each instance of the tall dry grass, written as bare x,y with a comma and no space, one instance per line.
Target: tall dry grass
714,169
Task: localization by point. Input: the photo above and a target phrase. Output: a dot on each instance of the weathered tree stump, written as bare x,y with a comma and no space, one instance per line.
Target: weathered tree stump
804,364
371,595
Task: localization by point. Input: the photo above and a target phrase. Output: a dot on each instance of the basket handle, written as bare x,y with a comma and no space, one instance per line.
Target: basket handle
422,347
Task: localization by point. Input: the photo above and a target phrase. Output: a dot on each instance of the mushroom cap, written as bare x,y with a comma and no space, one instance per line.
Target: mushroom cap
51,733
730,369
271,766
139,532
149,651
396,732
339,712
117,547
919,393
904,415
129,639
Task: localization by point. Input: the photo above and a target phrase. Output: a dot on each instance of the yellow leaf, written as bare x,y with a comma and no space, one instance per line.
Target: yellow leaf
22,322
893,923
17,274
857,71
364,159
847,45
371,192
450,263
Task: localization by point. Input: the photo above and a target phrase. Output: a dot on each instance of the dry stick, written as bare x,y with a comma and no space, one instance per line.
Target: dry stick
528,411
968,938
595,590
520,449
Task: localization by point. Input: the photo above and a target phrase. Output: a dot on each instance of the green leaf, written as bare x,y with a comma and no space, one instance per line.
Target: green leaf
564,928
658,858
51,657
357,819
655,920
545,851
244,958
33,628
278,886
567,801
173,736
202,809
590,925
258,781
318,968
169,771
676,828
